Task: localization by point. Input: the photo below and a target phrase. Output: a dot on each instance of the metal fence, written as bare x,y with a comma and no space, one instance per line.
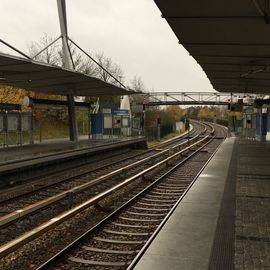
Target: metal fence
152,132
16,128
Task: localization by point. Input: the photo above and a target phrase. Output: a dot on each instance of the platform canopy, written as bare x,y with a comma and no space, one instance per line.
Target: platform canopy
39,77
230,39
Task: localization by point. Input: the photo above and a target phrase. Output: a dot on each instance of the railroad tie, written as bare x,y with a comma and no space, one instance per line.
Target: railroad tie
126,233
146,214
150,209
140,220
134,226
110,251
97,263
120,242
153,204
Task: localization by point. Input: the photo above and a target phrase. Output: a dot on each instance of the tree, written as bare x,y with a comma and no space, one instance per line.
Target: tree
51,55
85,65
152,115
206,113
110,66
174,112
137,84
193,111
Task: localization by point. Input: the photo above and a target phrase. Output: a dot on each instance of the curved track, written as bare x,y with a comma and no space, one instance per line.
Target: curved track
115,243
72,177
140,184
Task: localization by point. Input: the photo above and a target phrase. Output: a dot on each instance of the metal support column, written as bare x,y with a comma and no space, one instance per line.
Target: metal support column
73,127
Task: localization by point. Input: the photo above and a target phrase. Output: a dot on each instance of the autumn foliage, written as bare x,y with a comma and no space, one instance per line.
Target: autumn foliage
168,115
11,95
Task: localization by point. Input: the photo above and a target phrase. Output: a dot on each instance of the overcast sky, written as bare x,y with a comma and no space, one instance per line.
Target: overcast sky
131,32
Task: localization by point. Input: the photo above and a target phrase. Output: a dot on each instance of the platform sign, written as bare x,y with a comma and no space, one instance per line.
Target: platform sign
12,122
26,122
120,112
10,107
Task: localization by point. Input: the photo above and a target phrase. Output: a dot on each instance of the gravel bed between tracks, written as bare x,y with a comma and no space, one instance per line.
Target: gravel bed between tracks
25,224
55,177
31,255
64,181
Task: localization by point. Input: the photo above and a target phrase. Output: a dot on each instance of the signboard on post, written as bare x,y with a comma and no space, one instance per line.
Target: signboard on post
120,112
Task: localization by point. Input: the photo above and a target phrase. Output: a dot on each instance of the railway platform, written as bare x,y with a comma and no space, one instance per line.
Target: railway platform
26,157
14,154
224,220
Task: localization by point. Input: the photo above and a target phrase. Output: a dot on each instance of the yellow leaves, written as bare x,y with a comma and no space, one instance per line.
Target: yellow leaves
174,112
206,113
11,95
168,115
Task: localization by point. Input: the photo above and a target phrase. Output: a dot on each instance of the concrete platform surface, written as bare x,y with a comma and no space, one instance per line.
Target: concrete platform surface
28,155
252,215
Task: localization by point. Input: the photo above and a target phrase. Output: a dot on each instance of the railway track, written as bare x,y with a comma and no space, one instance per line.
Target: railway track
46,209
99,196
33,200
72,176
119,240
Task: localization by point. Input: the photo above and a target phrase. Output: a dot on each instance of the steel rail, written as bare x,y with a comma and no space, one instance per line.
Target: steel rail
152,148
76,242
11,217
158,229
29,236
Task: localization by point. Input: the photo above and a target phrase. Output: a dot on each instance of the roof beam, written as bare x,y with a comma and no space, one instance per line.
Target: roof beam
239,78
244,85
210,17
223,44
234,56
232,64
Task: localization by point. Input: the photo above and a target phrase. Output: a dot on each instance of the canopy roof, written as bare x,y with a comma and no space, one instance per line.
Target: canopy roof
39,77
229,39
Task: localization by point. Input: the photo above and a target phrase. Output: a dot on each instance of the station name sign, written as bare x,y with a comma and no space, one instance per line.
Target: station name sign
10,107
120,112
